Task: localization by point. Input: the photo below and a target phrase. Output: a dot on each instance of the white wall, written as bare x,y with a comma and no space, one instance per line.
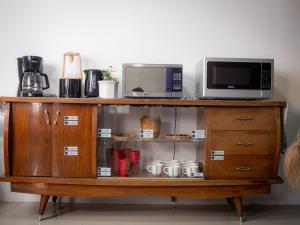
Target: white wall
111,32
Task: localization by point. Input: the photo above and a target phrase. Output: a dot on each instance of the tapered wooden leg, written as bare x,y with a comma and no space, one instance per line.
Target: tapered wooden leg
238,207
54,199
173,200
43,204
230,203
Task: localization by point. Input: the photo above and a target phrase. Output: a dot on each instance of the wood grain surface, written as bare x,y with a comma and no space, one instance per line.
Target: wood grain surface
241,167
124,101
192,192
141,181
31,139
7,140
81,136
242,118
244,142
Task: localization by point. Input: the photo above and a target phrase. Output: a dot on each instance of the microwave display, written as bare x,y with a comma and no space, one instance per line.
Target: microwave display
234,75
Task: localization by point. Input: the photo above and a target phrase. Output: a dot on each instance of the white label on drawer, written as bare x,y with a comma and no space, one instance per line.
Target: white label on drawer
71,150
146,133
67,118
106,133
217,152
71,123
198,174
103,169
217,157
198,134
103,174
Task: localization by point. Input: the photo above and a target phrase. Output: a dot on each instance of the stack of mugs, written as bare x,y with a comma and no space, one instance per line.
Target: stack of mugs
124,167
173,168
125,161
155,168
190,168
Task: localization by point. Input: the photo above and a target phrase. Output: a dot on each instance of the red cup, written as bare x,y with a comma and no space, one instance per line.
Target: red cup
124,167
124,164
116,156
116,153
134,155
124,174
135,168
125,152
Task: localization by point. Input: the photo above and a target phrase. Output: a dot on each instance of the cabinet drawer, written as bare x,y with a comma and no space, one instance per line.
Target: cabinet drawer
242,118
243,142
241,167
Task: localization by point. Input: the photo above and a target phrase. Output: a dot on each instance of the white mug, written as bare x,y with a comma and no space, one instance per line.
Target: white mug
172,171
190,170
172,164
189,161
172,161
155,169
189,164
156,162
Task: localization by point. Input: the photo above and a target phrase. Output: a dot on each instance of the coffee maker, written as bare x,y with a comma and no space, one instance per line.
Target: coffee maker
32,81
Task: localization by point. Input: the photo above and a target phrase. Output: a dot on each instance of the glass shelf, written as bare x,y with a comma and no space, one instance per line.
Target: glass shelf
143,173
160,140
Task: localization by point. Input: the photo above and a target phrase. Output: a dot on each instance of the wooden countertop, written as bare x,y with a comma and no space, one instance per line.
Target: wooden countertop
167,102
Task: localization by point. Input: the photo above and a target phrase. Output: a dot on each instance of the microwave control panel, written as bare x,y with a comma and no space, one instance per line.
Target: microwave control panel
266,76
174,79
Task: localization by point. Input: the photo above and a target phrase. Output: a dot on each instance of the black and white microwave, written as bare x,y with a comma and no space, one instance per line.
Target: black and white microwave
235,78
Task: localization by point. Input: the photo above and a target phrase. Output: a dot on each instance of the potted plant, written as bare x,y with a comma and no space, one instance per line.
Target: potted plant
108,87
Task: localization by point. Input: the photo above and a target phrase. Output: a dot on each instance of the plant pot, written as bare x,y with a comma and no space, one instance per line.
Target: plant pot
148,123
108,88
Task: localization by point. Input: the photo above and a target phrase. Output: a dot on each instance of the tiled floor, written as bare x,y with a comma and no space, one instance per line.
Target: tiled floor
90,214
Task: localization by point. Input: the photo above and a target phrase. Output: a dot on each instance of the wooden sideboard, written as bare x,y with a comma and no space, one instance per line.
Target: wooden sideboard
240,151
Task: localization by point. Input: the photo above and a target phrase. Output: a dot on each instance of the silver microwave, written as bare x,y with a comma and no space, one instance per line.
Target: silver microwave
152,80
235,78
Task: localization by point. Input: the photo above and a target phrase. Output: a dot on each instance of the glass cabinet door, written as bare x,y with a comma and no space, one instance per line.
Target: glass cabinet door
150,141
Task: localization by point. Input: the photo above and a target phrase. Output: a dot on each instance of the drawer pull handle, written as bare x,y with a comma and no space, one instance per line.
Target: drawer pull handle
245,118
245,144
56,117
242,168
46,113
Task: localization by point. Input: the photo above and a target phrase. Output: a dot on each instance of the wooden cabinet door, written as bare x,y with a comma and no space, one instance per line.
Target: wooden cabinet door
74,140
30,139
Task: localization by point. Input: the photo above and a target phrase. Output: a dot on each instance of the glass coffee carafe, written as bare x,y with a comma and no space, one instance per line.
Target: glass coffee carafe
32,84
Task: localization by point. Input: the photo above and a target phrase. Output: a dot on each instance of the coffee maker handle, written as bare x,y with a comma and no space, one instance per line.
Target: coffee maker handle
46,81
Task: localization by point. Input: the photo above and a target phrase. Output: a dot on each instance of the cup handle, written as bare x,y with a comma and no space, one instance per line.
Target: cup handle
149,168
166,170
184,171
46,81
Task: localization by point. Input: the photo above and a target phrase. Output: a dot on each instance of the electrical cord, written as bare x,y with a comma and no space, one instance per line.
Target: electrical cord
175,127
